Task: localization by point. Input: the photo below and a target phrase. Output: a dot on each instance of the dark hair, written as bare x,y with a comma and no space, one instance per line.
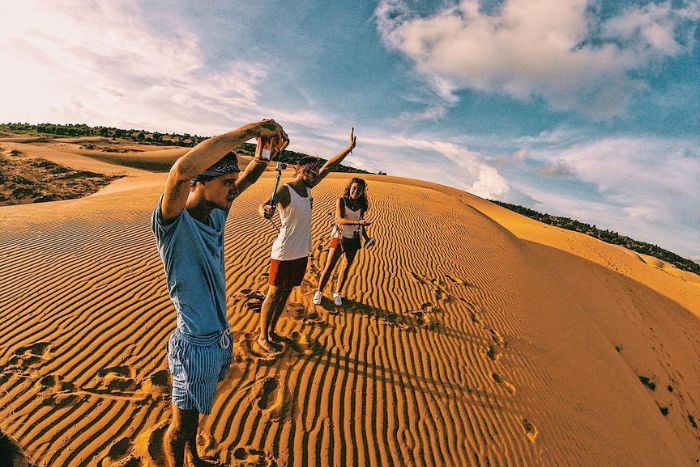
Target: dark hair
201,178
307,161
364,204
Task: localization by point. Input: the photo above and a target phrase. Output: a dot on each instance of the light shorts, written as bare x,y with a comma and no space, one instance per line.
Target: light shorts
197,364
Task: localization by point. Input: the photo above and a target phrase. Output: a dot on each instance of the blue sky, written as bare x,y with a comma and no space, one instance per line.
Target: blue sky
574,107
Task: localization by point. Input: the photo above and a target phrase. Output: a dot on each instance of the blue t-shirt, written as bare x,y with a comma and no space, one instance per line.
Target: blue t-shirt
193,257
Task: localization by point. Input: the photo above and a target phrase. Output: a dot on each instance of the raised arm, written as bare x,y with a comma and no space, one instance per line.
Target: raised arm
203,156
337,159
257,166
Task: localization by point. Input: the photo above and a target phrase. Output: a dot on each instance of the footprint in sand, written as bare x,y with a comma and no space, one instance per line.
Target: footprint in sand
494,352
425,319
30,355
267,395
270,398
441,295
394,320
118,378
54,382
119,450
497,338
454,280
531,430
307,317
418,278
253,300
248,455
263,277
157,384
301,343
458,281
247,350
473,316
499,379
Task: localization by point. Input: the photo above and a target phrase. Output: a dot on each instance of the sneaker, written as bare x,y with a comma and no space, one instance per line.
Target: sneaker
337,299
317,298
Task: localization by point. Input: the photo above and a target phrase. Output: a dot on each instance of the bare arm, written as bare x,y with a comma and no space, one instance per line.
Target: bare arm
283,198
340,215
203,156
337,159
363,229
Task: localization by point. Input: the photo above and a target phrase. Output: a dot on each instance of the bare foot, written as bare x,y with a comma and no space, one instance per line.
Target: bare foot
267,346
199,462
276,338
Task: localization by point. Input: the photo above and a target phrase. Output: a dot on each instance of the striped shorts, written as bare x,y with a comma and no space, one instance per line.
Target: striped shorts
197,364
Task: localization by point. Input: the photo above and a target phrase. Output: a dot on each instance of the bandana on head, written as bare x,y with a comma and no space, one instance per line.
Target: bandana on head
225,165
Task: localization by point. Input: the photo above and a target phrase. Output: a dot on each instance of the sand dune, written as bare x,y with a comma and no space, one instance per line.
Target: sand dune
472,336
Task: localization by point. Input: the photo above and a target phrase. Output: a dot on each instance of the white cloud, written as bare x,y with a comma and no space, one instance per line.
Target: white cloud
529,48
558,169
97,63
435,159
644,187
431,113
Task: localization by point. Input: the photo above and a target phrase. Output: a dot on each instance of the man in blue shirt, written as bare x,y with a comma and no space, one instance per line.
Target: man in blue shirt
188,223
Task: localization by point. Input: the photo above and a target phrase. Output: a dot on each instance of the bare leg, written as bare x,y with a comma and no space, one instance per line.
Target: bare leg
344,268
331,261
182,430
267,312
277,312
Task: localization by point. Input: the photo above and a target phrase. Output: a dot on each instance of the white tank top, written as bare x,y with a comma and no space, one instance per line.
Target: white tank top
294,239
347,231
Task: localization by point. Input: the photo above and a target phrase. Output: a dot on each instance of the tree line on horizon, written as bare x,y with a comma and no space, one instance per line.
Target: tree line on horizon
292,157
608,236
148,137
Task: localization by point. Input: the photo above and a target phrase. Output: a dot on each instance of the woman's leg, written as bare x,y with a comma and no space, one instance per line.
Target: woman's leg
344,268
331,261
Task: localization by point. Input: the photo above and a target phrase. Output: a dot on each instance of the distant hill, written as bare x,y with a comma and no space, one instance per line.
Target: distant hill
144,137
607,236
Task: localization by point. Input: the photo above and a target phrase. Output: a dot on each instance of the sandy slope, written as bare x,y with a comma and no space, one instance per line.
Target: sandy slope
471,335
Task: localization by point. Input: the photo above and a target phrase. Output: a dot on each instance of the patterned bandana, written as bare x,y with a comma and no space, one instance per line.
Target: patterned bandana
227,164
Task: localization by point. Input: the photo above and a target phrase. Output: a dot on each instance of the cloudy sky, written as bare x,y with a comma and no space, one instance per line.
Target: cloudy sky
583,108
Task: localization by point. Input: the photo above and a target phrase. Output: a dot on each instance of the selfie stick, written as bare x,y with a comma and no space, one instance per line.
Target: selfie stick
273,201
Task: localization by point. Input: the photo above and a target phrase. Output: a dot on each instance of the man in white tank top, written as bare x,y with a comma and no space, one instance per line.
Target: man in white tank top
291,249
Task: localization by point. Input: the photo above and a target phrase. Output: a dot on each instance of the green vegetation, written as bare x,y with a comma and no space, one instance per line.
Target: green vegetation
607,236
142,137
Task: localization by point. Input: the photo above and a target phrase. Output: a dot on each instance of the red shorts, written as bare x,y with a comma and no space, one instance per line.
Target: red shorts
287,274
351,244
335,242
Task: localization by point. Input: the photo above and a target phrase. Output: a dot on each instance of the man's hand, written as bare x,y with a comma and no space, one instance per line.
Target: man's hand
279,145
266,211
268,128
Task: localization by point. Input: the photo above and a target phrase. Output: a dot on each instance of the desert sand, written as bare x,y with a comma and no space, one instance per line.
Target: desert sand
470,335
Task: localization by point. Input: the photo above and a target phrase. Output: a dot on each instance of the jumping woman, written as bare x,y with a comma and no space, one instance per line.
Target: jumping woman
350,224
